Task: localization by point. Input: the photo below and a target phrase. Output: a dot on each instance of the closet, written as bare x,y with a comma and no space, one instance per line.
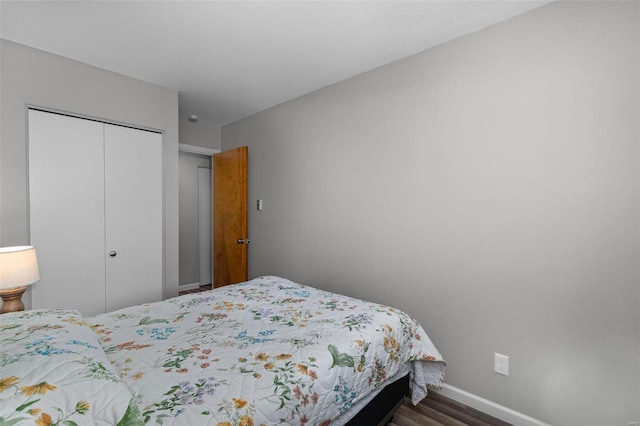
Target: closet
95,213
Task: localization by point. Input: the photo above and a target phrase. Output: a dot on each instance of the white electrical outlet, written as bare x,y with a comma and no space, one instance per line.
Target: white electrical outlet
501,364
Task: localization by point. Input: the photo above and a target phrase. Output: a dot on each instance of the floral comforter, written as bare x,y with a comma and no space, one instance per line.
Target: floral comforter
264,352
53,371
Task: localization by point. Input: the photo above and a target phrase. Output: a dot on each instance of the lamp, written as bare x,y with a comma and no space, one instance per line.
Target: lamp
18,269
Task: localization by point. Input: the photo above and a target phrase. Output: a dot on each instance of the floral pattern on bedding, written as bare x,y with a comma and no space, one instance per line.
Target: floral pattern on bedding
53,371
264,352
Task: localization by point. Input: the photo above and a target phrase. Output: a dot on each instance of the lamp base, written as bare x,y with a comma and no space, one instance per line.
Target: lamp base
12,300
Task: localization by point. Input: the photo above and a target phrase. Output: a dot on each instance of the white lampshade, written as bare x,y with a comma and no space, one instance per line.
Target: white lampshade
18,267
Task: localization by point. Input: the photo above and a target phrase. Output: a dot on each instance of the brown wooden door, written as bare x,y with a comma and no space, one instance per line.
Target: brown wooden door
230,230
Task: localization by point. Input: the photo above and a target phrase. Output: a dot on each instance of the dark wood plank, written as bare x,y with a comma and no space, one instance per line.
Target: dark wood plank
457,413
464,411
196,290
437,415
405,416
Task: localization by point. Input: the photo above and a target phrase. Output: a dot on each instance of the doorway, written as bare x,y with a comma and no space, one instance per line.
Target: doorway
194,219
205,225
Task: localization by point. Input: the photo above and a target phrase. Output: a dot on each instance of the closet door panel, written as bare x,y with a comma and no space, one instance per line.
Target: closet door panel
66,175
133,216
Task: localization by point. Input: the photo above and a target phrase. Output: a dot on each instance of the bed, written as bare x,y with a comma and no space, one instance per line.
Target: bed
265,352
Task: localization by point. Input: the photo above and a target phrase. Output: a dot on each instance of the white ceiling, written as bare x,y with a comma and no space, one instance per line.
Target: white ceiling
231,59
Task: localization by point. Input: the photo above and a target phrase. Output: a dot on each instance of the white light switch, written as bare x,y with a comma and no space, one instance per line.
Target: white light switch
259,204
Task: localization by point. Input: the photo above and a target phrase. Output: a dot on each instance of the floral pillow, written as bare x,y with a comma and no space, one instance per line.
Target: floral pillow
53,371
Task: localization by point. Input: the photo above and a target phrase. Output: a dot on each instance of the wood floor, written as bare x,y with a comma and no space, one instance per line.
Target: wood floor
196,290
438,410
434,410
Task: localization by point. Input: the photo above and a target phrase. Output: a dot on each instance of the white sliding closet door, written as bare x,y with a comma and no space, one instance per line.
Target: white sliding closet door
133,185
94,188
66,191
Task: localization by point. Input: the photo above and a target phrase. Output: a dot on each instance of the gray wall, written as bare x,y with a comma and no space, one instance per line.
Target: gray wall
489,187
189,226
205,134
33,77
200,133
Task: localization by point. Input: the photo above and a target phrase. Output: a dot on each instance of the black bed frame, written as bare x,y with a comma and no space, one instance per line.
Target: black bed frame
379,411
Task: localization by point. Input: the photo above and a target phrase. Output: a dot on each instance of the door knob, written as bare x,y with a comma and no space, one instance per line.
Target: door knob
113,253
243,241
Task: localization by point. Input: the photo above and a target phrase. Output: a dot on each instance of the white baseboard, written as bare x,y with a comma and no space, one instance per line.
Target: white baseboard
185,287
488,407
